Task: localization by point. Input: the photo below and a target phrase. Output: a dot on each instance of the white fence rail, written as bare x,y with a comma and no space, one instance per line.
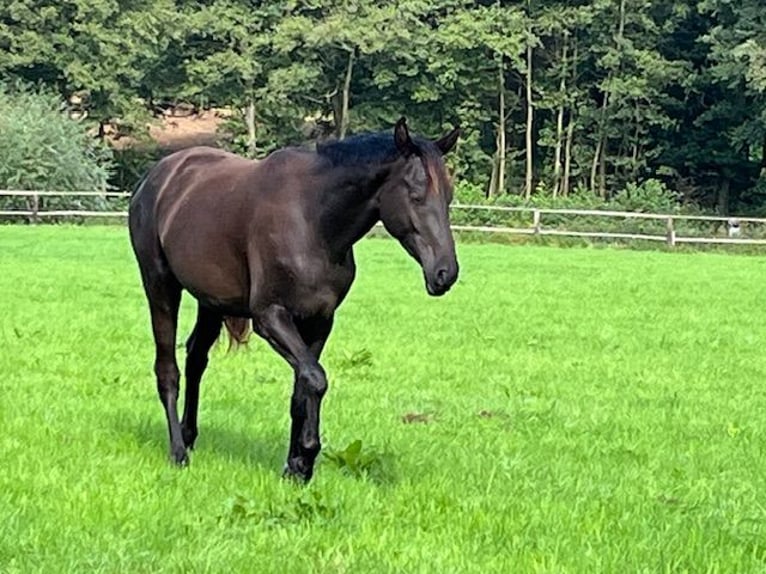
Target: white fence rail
34,213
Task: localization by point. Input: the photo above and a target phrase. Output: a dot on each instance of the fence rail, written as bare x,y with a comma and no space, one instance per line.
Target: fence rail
35,214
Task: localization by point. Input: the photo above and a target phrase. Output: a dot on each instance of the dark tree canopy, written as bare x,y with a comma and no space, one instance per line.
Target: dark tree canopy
555,97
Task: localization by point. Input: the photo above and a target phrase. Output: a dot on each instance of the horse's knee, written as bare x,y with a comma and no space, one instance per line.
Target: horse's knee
167,378
314,381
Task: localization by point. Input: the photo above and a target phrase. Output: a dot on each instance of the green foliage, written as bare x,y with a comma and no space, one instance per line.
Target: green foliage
309,506
359,463
131,163
468,192
358,359
651,196
105,52
43,149
621,92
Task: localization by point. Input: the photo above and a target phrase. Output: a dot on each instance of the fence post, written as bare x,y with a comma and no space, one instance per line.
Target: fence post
35,208
670,233
536,221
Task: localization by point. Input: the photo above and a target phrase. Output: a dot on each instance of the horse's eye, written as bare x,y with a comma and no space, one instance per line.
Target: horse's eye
417,196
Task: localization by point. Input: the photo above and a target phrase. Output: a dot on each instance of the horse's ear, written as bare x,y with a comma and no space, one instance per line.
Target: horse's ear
446,143
402,137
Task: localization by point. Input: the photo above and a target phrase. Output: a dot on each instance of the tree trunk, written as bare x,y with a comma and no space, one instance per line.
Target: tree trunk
250,121
568,155
346,96
723,195
621,29
492,189
557,150
602,170
605,145
570,128
763,157
530,119
497,179
636,153
501,145
594,164
560,121
599,158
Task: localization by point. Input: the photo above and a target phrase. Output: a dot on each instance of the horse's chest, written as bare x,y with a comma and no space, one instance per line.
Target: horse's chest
314,287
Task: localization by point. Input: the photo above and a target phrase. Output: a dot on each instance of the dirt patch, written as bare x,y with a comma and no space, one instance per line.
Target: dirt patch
422,418
173,130
178,132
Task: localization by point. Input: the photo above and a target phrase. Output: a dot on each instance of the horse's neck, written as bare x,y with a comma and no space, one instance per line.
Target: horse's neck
349,206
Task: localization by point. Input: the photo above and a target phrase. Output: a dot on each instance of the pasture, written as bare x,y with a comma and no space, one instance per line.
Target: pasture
560,410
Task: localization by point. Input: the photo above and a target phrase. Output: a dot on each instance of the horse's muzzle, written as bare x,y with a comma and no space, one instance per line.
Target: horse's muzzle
440,281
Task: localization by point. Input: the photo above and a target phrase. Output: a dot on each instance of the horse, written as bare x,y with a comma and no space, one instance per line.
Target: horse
268,245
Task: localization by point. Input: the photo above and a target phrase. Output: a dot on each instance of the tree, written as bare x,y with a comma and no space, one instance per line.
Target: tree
737,43
98,49
228,56
485,46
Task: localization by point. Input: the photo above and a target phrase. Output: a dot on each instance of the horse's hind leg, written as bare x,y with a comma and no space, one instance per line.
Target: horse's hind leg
203,336
164,309
164,294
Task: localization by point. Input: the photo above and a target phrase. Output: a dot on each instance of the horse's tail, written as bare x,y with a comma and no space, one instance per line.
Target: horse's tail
238,329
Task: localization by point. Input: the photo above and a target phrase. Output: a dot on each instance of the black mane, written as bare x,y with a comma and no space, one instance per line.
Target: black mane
366,149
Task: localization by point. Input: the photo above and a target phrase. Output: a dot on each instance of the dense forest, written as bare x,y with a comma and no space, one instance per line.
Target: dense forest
556,97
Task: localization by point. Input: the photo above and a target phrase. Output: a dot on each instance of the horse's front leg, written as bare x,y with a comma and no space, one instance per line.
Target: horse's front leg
314,333
278,327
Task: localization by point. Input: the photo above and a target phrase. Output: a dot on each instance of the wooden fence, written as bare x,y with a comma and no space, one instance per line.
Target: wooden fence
35,214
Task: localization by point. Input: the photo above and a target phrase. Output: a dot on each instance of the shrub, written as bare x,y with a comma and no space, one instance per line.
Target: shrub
131,164
650,196
42,148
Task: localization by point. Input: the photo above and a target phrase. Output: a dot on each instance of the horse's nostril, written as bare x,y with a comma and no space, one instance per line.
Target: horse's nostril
441,277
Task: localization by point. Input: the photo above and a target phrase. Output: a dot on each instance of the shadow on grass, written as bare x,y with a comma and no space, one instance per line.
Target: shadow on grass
246,447
254,449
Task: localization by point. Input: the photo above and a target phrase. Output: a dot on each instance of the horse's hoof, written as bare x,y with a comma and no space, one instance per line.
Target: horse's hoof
189,437
296,470
180,459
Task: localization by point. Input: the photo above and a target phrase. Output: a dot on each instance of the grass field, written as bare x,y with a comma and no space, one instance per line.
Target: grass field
561,410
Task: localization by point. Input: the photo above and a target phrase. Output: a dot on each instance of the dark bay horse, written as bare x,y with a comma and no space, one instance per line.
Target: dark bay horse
272,242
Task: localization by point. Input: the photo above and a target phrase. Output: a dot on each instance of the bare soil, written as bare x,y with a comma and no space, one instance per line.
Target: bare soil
177,132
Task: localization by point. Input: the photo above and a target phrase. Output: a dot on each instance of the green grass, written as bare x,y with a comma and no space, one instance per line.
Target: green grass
570,410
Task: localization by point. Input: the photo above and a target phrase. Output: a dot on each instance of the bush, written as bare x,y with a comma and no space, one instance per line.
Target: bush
42,148
131,164
650,196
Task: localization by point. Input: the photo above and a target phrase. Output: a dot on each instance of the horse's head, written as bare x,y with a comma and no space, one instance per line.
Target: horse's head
414,206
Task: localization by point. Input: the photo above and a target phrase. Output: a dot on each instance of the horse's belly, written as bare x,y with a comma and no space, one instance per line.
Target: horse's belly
206,264
215,286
